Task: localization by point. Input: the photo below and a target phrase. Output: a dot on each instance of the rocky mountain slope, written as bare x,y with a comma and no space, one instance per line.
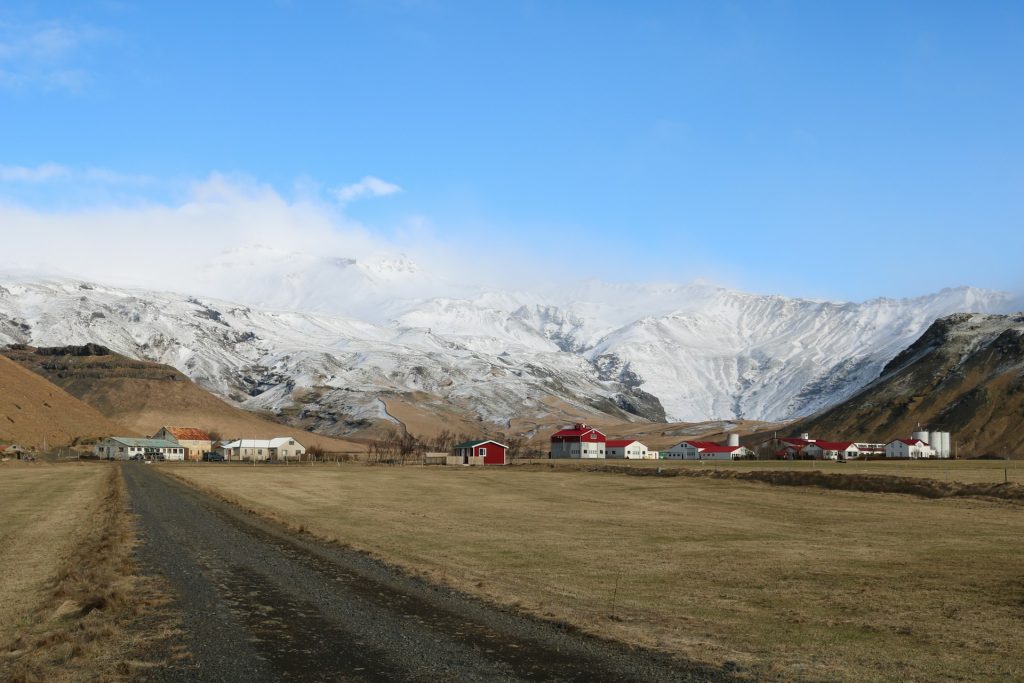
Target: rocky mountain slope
35,413
143,396
964,375
598,352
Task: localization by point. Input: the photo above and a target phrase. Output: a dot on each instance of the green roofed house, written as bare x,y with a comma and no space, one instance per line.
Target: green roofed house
482,452
127,448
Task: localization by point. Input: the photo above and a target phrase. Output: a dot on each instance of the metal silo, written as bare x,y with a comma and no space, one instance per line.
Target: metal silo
935,441
922,436
734,440
945,444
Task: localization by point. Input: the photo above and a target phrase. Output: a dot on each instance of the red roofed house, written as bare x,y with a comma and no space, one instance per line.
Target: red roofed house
704,450
908,448
837,450
579,441
630,450
195,441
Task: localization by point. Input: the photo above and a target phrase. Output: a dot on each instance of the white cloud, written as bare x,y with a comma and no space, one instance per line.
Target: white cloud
41,54
51,172
164,244
33,174
369,186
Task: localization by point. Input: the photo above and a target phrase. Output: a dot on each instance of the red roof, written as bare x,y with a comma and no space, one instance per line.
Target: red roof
188,434
834,445
715,448
912,442
574,432
620,444
702,445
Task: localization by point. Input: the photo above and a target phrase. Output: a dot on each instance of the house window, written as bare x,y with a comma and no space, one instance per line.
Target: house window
481,452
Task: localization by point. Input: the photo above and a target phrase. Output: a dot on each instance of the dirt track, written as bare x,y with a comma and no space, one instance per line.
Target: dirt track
259,604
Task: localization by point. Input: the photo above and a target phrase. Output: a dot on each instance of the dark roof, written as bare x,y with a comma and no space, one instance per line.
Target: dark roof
479,442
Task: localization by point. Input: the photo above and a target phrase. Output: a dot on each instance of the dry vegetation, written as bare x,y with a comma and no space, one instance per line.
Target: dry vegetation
786,582
72,607
941,471
34,411
144,396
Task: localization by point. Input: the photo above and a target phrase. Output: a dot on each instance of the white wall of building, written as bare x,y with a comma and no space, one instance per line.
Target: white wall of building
631,451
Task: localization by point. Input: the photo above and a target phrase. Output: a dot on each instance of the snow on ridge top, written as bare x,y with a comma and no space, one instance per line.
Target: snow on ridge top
400,265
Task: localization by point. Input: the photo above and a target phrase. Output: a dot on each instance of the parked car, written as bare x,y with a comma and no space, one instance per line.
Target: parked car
213,457
137,456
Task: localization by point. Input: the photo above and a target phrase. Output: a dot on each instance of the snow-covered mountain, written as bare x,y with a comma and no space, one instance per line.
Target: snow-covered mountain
330,336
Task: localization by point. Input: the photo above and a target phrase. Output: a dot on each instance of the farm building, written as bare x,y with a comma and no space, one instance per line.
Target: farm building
280,448
482,452
196,441
124,448
868,449
832,450
704,450
579,441
908,448
629,450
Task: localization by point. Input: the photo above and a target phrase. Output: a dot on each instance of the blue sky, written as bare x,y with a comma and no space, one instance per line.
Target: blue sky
842,150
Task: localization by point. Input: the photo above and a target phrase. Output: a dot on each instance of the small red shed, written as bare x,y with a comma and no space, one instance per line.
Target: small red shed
484,452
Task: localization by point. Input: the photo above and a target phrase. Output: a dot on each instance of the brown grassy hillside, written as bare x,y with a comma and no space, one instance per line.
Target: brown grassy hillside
145,396
32,410
965,375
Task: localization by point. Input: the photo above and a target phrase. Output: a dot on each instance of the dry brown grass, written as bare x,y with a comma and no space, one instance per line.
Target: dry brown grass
963,471
34,411
72,606
791,583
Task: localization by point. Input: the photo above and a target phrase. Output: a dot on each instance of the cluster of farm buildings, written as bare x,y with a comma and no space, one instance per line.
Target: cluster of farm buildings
580,441
584,442
189,443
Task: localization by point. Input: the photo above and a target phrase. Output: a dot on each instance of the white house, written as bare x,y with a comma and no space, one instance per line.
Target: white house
834,450
280,448
704,450
124,448
908,448
718,452
629,450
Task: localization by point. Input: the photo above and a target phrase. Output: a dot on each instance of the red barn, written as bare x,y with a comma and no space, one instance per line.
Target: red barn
580,441
484,452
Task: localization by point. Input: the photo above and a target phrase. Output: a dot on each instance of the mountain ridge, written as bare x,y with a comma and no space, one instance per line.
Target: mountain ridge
716,354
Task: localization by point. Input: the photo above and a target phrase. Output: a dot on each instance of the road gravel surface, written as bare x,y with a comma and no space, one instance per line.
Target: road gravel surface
258,603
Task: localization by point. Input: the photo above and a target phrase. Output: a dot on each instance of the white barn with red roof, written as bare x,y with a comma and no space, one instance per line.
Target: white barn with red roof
629,450
908,448
578,441
837,450
704,450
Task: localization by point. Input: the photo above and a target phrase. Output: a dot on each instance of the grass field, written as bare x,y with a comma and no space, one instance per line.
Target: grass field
967,471
785,582
70,602
41,507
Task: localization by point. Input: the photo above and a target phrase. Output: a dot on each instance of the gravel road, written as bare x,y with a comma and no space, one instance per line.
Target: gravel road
260,604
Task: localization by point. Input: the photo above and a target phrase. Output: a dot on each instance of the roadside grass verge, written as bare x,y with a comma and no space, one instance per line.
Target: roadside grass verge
778,582
81,612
